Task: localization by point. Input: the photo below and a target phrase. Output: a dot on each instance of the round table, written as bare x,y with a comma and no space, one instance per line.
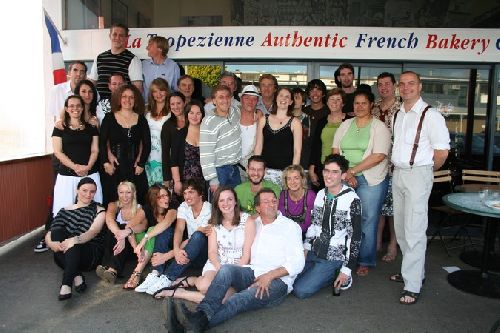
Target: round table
473,257
479,282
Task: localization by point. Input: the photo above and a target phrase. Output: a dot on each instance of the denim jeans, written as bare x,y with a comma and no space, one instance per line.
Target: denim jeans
372,198
163,244
317,274
197,252
228,175
240,278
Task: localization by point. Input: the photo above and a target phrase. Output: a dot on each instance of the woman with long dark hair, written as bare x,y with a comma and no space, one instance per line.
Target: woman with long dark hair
228,243
185,157
158,113
279,137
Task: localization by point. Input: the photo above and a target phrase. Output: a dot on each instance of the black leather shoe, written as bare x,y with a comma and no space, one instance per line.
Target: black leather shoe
82,286
63,297
172,324
194,321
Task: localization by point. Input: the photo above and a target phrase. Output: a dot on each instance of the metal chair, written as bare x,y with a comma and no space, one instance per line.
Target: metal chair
448,218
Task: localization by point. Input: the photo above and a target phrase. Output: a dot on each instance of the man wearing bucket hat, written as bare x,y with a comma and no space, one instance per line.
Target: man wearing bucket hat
248,124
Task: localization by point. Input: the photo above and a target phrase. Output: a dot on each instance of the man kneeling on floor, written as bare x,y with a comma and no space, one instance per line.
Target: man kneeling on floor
333,239
276,259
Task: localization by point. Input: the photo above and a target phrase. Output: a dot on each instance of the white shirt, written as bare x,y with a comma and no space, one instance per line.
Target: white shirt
57,97
278,244
186,213
433,136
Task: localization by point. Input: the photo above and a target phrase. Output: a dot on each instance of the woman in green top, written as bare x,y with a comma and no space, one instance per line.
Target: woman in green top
323,136
365,142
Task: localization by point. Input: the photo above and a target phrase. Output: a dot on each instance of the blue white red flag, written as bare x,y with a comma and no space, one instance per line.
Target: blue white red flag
55,47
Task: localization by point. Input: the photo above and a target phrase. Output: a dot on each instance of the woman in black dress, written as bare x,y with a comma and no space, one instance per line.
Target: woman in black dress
125,132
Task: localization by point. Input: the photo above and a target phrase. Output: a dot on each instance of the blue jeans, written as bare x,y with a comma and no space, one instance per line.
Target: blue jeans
197,252
372,198
240,278
317,274
163,244
228,175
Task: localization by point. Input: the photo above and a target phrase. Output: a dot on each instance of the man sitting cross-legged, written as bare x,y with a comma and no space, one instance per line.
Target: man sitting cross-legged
276,259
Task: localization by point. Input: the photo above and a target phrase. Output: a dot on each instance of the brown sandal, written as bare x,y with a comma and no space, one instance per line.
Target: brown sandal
133,280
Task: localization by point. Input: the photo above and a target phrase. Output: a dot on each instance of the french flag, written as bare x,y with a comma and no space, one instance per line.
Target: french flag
57,58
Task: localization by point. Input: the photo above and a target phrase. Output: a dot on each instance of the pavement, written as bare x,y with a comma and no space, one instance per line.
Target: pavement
30,284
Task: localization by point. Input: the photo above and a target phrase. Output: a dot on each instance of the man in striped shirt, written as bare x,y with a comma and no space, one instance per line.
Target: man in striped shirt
220,141
116,60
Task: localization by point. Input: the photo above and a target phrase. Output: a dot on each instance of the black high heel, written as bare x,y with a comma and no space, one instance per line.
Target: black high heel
82,286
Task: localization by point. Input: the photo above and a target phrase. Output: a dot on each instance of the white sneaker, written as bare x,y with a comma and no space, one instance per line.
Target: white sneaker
150,280
161,282
346,285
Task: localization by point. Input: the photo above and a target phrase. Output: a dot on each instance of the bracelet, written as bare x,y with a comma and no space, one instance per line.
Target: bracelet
78,240
146,236
131,231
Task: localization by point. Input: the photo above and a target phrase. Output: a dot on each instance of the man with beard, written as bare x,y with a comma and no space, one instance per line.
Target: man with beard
345,76
246,191
317,110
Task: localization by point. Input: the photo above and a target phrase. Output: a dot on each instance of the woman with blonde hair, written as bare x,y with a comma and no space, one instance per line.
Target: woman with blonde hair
296,199
126,221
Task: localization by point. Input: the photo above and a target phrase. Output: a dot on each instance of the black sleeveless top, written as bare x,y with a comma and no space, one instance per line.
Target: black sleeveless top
277,148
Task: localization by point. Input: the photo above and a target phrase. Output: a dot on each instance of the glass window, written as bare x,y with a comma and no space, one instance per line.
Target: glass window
496,147
368,74
449,86
288,75
84,14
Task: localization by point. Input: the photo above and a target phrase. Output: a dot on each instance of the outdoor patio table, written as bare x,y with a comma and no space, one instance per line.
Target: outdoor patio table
473,257
479,282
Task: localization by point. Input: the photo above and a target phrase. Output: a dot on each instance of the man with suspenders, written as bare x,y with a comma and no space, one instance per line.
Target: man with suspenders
421,144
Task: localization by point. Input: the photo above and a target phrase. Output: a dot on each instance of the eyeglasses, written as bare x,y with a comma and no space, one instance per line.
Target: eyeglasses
162,196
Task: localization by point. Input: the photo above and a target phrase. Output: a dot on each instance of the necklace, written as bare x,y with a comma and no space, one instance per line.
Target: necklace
78,127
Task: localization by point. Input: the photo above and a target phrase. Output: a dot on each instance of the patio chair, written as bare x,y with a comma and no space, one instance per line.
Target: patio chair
447,217
481,176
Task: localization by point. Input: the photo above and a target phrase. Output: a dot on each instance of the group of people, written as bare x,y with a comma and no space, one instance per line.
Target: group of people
263,194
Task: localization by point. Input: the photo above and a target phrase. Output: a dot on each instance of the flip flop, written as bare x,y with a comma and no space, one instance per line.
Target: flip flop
406,293
173,287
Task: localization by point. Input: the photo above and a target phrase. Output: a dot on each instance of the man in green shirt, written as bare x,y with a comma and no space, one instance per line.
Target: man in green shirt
246,191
